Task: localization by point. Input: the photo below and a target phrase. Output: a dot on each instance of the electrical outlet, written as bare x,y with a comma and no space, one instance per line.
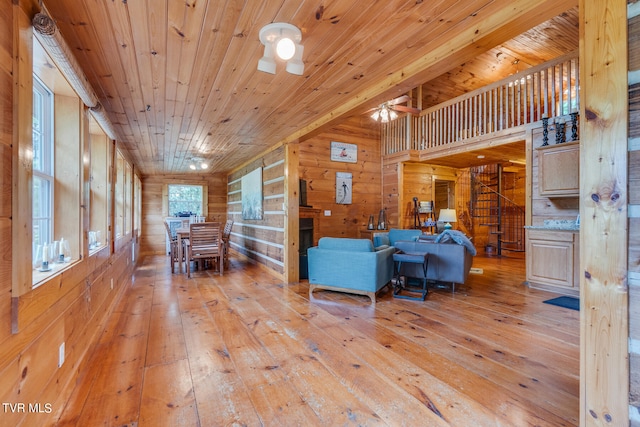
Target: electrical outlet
327,213
61,354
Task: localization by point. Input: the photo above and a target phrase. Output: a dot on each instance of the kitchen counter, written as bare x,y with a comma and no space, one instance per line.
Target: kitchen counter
556,225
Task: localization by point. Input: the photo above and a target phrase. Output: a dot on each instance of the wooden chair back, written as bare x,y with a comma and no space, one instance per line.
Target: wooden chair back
205,241
227,229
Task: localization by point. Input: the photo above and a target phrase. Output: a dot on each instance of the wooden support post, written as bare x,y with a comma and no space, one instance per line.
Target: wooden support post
292,212
604,361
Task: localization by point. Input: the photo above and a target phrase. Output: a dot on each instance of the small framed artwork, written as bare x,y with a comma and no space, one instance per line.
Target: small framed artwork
343,152
344,185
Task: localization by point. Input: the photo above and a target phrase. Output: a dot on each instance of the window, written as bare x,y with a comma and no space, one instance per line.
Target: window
119,194
185,199
99,201
55,185
43,175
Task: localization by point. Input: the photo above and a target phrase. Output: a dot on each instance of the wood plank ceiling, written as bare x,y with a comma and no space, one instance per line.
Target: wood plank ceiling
178,78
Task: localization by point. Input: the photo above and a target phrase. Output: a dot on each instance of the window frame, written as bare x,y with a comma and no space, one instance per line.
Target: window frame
203,188
43,170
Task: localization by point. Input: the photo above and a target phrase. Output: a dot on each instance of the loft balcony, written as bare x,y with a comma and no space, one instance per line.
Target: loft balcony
503,110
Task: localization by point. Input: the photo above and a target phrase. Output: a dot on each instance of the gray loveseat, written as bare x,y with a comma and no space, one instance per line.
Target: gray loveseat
450,256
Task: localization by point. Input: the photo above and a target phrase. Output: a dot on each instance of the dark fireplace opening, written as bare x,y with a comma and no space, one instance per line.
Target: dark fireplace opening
306,241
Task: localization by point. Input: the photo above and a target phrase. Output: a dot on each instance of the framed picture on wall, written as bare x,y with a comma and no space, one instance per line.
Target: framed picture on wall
344,185
251,187
343,152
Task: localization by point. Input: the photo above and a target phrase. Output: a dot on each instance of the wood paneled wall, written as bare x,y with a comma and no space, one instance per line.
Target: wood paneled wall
72,307
154,207
319,171
544,207
419,181
634,213
263,240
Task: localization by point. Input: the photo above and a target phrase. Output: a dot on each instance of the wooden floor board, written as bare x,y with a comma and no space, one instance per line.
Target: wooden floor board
246,349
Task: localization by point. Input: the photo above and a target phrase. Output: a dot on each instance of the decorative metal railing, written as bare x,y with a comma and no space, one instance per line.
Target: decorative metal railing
550,89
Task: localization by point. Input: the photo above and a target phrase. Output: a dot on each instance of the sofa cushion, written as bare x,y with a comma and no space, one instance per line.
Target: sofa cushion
346,244
397,235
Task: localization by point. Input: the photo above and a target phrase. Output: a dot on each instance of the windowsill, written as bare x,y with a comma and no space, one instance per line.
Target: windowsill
40,277
97,249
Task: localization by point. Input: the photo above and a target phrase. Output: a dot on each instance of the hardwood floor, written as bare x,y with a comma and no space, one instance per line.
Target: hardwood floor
244,349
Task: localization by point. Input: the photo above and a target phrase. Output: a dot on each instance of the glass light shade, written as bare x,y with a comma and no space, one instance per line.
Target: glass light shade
295,64
204,165
267,64
285,48
192,167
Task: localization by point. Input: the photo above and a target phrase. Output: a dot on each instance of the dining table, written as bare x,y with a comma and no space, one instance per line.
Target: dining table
181,233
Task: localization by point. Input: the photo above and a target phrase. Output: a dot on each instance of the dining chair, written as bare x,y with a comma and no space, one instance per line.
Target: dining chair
173,246
226,232
205,242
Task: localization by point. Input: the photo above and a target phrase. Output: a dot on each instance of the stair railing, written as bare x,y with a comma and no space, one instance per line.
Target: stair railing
509,219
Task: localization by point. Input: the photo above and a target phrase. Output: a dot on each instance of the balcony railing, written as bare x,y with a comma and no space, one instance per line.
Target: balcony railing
549,89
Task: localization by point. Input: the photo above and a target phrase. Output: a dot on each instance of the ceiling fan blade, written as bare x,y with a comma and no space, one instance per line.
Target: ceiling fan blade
405,109
399,100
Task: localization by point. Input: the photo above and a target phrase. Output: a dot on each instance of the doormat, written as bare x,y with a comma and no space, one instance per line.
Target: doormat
475,270
566,302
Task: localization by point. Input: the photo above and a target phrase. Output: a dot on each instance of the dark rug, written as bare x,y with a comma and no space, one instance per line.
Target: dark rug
566,302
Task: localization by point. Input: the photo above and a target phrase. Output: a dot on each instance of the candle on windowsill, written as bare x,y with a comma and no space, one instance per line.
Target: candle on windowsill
45,257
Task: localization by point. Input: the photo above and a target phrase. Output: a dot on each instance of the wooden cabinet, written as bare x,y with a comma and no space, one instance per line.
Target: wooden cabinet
553,260
559,170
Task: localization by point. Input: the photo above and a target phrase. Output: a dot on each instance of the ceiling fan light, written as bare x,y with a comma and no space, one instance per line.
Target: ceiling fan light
384,115
376,115
392,115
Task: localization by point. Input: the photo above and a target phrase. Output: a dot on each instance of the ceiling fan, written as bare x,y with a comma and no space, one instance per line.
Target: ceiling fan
387,110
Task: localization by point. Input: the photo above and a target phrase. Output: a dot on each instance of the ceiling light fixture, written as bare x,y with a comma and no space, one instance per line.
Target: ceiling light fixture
198,163
384,114
281,40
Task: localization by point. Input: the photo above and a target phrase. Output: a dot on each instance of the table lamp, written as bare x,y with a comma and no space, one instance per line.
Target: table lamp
447,216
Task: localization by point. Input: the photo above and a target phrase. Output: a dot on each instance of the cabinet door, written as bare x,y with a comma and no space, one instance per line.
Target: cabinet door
559,173
550,262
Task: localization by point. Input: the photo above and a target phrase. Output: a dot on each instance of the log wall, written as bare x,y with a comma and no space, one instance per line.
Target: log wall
261,240
71,307
319,171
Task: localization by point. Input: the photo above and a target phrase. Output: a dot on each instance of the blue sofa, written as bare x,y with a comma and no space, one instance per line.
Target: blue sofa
389,238
349,265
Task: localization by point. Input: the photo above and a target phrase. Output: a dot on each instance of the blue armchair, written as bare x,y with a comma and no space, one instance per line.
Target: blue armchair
349,265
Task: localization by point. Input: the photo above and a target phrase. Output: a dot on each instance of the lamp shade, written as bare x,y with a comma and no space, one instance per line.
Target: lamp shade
447,216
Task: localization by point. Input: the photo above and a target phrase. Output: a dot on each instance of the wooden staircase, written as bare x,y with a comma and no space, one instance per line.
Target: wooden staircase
503,217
